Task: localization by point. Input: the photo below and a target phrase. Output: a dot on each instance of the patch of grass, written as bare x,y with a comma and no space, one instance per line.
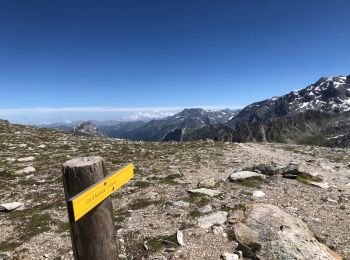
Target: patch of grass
27,182
254,182
142,203
195,214
196,158
170,179
142,184
306,178
156,244
225,208
8,246
120,216
231,234
134,245
241,206
7,175
38,223
339,159
198,199
64,227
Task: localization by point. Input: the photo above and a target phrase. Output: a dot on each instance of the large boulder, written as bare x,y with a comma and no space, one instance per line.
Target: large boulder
217,218
270,233
291,171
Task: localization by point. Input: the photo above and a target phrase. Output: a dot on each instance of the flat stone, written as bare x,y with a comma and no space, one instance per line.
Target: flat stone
180,237
258,194
28,169
237,176
229,256
205,191
181,204
26,159
217,218
7,207
322,185
205,209
151,195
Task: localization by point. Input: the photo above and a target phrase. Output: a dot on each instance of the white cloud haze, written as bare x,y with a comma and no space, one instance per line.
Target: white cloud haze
40,115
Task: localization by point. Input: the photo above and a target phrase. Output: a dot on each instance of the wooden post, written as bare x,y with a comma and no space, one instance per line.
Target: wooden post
93,236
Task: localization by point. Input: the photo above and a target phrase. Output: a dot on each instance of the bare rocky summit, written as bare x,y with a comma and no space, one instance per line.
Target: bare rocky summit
87,129
155,215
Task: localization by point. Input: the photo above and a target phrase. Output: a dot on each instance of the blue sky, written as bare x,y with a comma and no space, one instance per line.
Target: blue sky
156,55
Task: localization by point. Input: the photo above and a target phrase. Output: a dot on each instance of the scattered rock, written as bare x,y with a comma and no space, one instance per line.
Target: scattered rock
291,171
181,203
265,169
258,194
229,256
327,168
323,185
332,201
218,230
28,169
5,255
151,195
207,183
205,209
7,207
180,237
205,191
235,217
217,218
26,159
237,176
270,233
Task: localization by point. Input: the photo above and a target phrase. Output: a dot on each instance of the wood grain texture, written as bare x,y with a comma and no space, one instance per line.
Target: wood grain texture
93,236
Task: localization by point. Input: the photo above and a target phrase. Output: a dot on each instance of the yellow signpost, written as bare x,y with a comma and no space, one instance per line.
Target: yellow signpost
89,198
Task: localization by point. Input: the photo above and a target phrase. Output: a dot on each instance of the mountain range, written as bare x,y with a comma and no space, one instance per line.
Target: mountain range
316,115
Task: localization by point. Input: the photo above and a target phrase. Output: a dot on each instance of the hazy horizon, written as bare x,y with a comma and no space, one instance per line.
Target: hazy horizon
45,115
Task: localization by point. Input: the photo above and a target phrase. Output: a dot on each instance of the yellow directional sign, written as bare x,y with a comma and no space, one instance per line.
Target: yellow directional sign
89,198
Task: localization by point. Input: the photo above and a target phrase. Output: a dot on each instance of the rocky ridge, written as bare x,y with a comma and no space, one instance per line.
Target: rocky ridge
317,114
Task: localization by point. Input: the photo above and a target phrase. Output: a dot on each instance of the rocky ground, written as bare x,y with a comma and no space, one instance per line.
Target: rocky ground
154,210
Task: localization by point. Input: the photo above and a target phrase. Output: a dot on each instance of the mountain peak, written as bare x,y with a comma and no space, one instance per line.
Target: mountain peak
87,129
328,95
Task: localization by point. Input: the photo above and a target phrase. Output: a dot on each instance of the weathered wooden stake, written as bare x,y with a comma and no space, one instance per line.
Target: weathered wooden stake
93,236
